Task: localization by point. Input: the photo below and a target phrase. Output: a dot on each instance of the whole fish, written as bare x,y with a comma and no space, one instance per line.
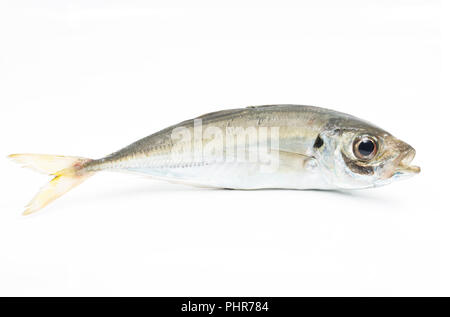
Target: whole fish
275,146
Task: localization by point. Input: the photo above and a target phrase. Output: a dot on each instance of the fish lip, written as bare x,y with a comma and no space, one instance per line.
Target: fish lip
411,169
404,166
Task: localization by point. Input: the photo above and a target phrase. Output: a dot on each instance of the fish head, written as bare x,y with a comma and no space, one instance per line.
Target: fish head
354,155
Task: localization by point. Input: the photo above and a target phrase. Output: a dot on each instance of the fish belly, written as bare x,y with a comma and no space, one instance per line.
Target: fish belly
290,172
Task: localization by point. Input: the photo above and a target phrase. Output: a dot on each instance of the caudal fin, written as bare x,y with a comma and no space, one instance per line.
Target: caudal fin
67,171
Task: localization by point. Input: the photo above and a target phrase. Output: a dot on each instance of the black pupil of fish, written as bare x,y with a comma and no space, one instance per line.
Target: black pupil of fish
366,147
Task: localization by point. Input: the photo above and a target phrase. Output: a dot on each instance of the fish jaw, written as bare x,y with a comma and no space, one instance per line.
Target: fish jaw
404,167
400,168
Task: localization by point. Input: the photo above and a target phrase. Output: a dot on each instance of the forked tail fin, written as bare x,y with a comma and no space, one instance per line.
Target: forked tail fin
67,171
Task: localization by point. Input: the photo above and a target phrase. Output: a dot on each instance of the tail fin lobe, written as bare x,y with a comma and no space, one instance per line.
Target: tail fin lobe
67,170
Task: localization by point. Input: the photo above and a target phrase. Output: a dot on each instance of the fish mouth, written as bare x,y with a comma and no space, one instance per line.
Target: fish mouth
404,166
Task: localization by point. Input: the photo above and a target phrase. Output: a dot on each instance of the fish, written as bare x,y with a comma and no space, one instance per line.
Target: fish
257,147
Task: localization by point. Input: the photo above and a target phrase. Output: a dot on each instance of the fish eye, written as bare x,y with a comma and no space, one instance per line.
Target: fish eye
365,148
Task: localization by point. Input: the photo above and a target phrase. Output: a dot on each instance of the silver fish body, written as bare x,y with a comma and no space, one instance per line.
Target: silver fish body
297,163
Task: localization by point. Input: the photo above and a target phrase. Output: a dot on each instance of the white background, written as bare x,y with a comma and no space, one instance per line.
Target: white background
86,78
